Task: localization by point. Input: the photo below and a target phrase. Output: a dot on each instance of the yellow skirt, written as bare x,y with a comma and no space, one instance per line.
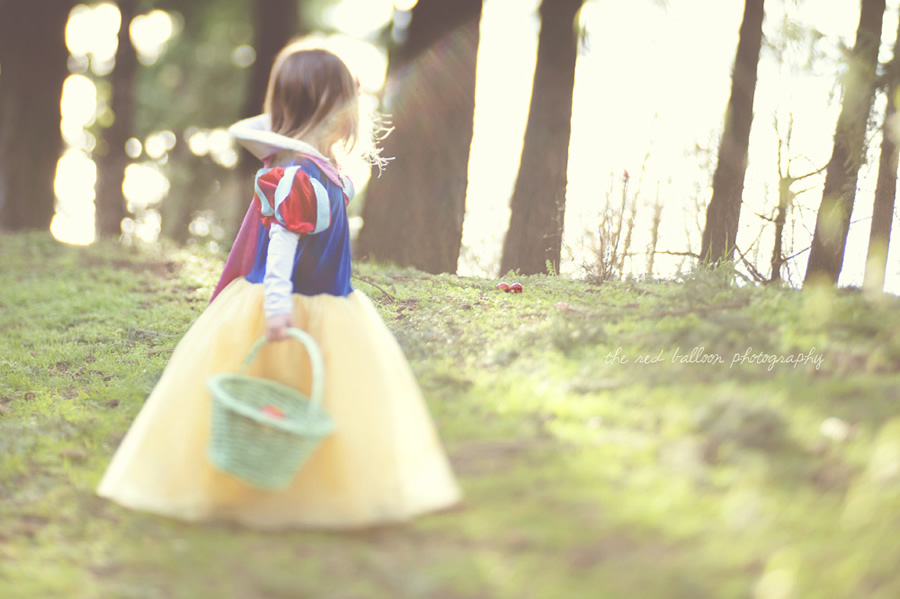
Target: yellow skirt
383,464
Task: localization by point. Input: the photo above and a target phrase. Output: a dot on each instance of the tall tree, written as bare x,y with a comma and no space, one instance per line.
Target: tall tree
786,196
886,186
413,212
534,238
111,165
33,59
724,210
271,35
826,256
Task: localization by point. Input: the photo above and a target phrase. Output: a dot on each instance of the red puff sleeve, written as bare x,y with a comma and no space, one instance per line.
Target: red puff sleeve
289,197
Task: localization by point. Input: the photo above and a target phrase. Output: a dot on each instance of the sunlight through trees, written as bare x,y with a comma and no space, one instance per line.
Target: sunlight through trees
151,87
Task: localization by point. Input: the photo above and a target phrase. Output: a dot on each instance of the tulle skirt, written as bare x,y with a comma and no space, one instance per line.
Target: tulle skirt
384,463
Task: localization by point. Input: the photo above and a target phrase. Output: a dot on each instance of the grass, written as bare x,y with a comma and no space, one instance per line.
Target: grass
632,439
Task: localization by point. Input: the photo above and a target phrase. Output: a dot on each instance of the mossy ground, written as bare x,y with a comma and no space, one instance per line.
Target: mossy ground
603,448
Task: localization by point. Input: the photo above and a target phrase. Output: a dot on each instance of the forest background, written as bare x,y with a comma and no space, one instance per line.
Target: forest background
636,119
659,424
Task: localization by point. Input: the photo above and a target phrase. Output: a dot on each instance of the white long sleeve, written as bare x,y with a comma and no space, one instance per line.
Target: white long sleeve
277,282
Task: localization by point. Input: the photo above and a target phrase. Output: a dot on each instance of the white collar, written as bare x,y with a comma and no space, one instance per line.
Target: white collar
295,145
256,135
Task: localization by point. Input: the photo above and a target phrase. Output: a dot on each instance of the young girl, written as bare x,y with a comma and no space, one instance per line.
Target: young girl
290,266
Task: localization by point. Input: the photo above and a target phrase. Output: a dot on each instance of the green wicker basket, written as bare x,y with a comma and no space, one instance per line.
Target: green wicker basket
262,431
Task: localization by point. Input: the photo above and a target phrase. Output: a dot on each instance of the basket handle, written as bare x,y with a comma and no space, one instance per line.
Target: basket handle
312,350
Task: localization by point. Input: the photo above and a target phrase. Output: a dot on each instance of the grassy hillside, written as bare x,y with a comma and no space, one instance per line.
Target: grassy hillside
689,439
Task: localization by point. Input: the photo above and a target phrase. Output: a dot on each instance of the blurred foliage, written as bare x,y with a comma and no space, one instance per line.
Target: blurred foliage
195,83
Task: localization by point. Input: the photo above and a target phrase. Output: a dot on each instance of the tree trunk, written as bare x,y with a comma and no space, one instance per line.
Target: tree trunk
34,57
826,255
886,186
192,190
534,238
724,210
111,167
272,34
413,212
784,200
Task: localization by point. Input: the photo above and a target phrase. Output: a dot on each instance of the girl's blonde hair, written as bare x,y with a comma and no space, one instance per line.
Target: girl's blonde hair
313,90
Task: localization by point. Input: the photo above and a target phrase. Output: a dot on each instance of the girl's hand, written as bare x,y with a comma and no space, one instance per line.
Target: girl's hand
277,326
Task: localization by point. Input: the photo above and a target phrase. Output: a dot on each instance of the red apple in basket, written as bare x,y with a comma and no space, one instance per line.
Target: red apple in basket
272,411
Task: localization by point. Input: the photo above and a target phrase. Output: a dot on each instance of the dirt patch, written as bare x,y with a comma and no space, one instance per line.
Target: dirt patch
105,570
488,457
163,269
618,546
66,369
28,525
